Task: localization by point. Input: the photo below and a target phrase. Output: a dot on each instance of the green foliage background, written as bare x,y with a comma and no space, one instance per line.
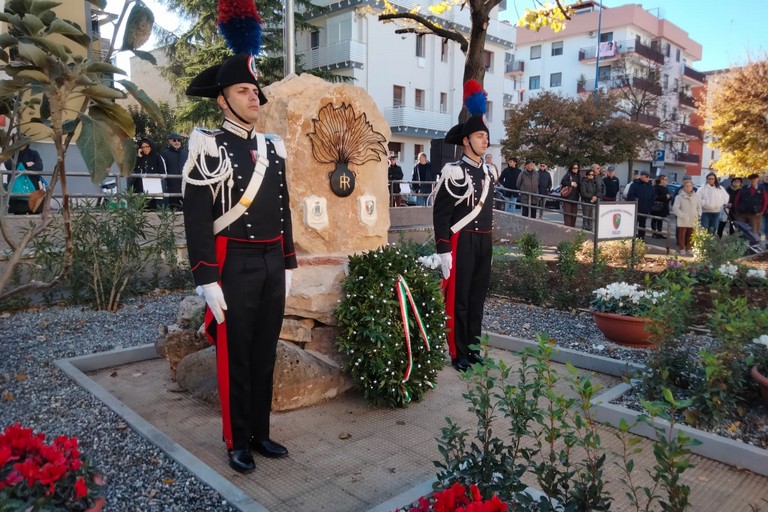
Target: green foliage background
371,328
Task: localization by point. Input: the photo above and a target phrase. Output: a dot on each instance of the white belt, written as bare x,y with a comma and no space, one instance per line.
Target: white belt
251,190
477,209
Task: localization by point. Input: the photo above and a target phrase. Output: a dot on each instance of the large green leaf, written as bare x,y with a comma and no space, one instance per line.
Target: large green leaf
32,24
93,143
34,55
33,74
7,40
59,50
103,67
103,92
39,6
147,103
125,155
145,56
59,26
10,88
115,115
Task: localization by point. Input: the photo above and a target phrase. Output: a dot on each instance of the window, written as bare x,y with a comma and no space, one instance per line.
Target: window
420,50
443,102
489,112
396,148
557,48
398,96
534,82
417,148
604,73
488,60
677,54
606,36
419,99
314,39
667,49
677,84
444,51
555,79
536,52
665,81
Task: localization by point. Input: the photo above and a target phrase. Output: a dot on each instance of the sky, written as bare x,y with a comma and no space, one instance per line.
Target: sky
730,31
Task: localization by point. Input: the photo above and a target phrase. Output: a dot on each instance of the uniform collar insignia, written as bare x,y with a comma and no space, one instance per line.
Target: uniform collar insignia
471,162
238,129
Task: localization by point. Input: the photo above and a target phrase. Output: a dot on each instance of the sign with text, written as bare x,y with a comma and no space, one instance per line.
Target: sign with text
616,220
658,158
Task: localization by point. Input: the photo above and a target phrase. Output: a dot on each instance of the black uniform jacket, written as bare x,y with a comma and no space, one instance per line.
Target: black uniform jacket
267,219
446,212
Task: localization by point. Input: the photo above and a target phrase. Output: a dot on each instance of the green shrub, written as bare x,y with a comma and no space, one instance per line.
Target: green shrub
715,251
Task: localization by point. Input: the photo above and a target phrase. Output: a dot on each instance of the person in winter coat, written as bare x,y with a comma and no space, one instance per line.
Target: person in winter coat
751,203
528,181
545,186
732,189
611,184
660,208
764,187
642,191
28,160
149,162
422,172
508,180
175,156
687,209
570,204
589,191
394,173
713,198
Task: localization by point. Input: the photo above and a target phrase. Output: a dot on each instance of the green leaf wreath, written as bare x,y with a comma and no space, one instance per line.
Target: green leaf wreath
371,329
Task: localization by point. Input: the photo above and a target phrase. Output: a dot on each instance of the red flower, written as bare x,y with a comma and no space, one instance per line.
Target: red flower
476,496
81,490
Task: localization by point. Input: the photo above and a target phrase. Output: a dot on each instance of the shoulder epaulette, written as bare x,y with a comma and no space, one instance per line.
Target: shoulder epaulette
203,142
278,143
453,171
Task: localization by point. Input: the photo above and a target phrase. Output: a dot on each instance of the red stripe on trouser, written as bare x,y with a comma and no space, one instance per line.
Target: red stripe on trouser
222,351
449,290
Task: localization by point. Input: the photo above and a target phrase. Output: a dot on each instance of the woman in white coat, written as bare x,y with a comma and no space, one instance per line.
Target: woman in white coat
687,209
713,198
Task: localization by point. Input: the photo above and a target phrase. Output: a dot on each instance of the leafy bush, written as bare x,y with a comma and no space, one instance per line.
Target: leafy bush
532,270
715,251
613,252
372,331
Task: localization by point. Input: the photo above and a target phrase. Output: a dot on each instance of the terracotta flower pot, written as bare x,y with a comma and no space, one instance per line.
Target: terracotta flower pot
98,503
762,382
625,330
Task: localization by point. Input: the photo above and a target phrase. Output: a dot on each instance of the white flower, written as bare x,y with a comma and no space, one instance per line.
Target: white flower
728,270
432,261
762,340
756,273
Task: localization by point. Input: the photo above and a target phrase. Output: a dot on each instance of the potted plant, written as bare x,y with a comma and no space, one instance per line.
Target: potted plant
621,311
36,476
759,362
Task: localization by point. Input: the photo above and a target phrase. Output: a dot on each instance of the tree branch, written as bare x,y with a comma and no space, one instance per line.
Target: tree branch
433,28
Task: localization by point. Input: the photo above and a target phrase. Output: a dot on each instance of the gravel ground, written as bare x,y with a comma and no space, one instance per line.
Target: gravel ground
34,392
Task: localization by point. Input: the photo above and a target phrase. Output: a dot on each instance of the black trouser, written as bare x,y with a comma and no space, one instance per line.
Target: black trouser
642,220
253,281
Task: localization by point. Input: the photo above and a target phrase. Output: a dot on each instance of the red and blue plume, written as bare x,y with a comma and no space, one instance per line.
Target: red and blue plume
475,98
240,24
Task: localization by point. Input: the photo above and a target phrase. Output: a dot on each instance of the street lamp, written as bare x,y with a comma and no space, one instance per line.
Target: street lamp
597,49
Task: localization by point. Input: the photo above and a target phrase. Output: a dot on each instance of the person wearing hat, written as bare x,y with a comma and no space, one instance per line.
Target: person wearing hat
611,184
237,220
463,218
750,203
528,181
641,190
394,176
175,156
508,181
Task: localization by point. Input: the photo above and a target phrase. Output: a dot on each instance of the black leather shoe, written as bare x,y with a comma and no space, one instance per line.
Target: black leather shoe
474,358
461,365
269,448
241,460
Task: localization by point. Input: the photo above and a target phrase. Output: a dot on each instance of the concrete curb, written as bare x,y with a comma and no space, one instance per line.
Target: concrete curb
76,367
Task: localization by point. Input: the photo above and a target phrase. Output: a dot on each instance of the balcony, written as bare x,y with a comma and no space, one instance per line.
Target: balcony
686,101
607,83
341,55
412,120
686,129
694,76
647,119
611,50
688,158
647,85
514,68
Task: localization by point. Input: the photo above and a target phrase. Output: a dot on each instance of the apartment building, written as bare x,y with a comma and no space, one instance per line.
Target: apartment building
627,51
416,80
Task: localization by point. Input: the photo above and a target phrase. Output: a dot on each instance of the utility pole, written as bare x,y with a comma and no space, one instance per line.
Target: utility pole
289,40
597,49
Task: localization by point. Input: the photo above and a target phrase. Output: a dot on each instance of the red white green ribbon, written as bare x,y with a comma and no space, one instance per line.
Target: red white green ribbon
401,286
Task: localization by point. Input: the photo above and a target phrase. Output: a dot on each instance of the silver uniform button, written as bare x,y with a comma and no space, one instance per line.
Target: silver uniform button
245,213
239,177
241,190
251,236
248,225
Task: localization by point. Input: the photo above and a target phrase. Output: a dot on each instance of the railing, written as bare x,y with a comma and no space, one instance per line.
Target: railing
646,85
515,67
694,75
686,100
689,158
418,118
690,130
648,119
341,54
609,51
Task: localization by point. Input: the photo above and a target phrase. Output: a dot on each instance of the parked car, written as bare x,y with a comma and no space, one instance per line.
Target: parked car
553,199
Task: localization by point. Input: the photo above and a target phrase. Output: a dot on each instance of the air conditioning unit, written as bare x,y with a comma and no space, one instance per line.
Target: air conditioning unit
591,33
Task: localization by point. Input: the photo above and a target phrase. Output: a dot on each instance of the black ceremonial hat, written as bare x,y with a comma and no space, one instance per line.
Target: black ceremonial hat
238,69
474,124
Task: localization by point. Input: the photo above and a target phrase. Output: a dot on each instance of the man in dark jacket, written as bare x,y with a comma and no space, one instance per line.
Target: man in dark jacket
750,203
28,160
508,180
175,156
148,162
545,186
394,173
422,172
642,190
611,184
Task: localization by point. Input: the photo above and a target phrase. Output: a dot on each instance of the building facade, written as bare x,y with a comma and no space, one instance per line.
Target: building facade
629,52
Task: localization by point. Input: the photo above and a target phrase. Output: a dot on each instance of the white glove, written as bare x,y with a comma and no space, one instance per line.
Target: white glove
214,297
288,278
446,262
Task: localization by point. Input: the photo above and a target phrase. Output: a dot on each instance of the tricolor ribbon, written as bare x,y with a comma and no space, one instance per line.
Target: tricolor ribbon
401,286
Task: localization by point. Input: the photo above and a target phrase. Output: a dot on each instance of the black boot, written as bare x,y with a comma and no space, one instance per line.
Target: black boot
461,365
269,448
241,461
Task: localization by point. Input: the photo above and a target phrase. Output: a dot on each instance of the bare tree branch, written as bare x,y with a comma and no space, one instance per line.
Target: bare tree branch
433,28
